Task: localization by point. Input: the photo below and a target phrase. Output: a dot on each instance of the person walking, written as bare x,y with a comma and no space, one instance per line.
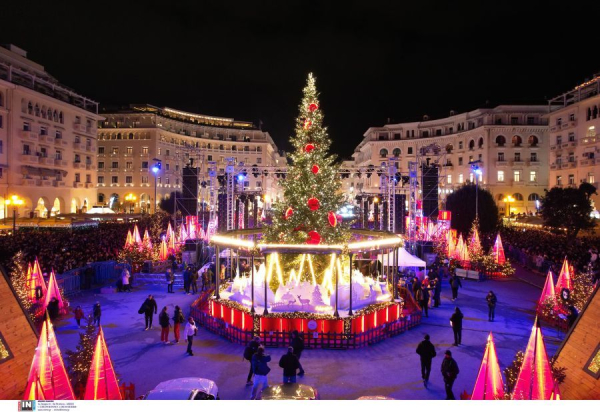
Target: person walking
289,363
163,320
170,280
456,323
298,344
437,294
415,286
125,275
149,308
261,370
449,372
426,352
194,280
97,312
455,284
178,319
249,351
78,315
422,296
491,301
186,280
189,332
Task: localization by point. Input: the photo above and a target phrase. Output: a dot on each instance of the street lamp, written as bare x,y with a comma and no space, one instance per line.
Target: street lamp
131,198
156,169
477,172
16,202
508,200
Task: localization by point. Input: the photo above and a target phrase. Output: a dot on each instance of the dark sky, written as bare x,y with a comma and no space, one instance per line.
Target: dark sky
373,60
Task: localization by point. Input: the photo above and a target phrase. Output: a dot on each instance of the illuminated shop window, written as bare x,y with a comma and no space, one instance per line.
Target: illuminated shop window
592,366
5,353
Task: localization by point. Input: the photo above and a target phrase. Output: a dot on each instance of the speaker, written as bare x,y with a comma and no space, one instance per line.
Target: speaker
429,185
365,218
399,213
385,216
188,203
376,222
222,212
190,245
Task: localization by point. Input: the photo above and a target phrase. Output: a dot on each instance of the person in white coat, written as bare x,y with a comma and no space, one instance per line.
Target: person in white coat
189,332
125,280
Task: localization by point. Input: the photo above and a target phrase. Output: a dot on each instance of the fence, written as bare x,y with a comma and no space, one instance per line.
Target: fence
528,261
97,273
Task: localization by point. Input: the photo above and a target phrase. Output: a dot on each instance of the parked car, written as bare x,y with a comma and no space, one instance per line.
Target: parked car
196,389
289,392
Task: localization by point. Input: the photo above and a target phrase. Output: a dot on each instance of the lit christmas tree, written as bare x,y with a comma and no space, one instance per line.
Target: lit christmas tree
312,188
80,360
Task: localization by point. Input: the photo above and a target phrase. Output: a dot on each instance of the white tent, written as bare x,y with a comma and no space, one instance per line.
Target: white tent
100,210
405,259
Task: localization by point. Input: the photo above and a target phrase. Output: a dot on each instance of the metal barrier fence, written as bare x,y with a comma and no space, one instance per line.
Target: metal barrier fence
528,261
97,273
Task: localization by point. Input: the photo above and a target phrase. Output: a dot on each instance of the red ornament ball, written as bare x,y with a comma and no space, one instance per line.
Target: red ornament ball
332,218
307,124
313,238
309,147
315,169
313,204
312,107
288,213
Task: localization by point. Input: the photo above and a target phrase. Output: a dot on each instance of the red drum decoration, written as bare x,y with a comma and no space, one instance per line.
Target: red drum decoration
313,238
315,169
288,213
312,107
332,219
309,147
313,204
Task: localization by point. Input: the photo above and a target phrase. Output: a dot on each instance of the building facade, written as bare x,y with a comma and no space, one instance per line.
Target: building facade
47,140
508,143
574,122
132,140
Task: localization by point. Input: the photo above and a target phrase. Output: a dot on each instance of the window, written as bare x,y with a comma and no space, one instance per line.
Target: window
533,176
501,175
438,132
471,144
518,197
571,179
159,149
210,158
130,150
471,177
533,141
1,147
26,126
0,122
167,166
480,144
571,157
514,120
115,150
101,179
100,165
88,178
145,150
571,137
533,157
470,159
460,145
591,132
397,136
396,152
500,140
592,366
114,180
410,150
558,139
44,131
115,165
500,156
144,165
558,159
144,179
383,153
530,120
177,168
77,158
425,133
58,135
77,177
129,165
559,121
572,117
533,197
517,157
26,149
591,178
558,180
460,178
517,175
517,141
460,161
258,160
449,178
100,149
128,179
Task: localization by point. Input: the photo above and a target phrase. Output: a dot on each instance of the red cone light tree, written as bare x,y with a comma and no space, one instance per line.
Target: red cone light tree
102,381
489,384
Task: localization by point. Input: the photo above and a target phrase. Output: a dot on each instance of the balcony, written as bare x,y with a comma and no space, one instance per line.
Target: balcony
60,162
29,182
43,138
518,163
46,183
586,162
555,128
572,143
127,154
568,124
589,140
555,147
77,146
77,184
89,185
46,160
63,142
501,162
555,166
90,148
28,135
88,166
78,165
535,163
58,183
28,158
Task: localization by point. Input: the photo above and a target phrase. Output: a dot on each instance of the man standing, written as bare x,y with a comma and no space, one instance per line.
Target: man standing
422,296
289,363
449,372
426,351
187,279
491,301
249,352
437,292
125,280
261,370
194,280
163,320
456,323
455,284
170,280
297,343
97,312
150,308
189,332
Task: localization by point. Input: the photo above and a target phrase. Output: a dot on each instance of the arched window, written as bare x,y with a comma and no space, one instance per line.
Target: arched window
1,100
589,113
44,112
49,114
396,152
500,140
533,141
118,136
480,144
383,153
61,118
37,110
533,197
518,197
130,136
595,112
517,141
500,197
221,147
208,146
234,148
471,144
29,108
449,148
55,116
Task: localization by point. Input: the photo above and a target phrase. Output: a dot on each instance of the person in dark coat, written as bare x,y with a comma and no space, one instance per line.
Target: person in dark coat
52,308
437,293
426,351
456,322
97,312
422,296
261,370
298,344
170,280
455,284
194,280
491,301
415,286
187,279
289,363
150,308
163,320
78,315
178,319
572,316
249,352
449,372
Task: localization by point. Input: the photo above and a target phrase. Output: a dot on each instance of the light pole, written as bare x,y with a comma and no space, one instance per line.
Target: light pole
477,172
155,169
508,200
16,202
131,199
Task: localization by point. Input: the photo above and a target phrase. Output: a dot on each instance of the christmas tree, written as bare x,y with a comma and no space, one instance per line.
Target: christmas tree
312,195
80,360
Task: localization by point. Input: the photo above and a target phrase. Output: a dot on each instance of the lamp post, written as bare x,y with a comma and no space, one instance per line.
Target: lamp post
508,200
16,202
131,199
477,172
156,169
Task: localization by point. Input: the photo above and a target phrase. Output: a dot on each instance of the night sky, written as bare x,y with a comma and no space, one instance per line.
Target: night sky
373,60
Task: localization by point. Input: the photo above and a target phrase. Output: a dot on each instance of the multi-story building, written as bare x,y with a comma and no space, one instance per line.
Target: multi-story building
508,143
133,139
47,140
574,122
